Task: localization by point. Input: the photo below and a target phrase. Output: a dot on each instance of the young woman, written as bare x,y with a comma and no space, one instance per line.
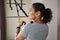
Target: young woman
38,30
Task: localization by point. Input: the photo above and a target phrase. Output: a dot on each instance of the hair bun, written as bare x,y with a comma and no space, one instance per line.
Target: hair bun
47,15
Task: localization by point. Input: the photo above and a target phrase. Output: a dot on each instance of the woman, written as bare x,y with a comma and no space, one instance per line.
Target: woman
38,30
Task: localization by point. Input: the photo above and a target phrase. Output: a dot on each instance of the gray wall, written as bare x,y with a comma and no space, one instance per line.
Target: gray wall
58,20
53,25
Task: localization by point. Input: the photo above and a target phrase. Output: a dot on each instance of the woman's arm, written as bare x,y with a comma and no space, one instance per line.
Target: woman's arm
19,36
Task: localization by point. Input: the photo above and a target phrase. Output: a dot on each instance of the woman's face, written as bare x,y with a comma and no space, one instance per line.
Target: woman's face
32,15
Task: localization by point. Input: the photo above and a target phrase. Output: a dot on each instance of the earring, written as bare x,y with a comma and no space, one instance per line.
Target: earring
41,18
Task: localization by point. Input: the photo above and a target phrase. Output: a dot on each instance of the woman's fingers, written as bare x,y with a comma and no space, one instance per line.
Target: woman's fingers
20,23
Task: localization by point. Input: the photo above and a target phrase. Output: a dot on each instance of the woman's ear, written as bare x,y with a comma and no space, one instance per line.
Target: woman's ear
38,13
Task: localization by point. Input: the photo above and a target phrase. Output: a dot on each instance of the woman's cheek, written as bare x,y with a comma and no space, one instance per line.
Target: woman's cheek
31,15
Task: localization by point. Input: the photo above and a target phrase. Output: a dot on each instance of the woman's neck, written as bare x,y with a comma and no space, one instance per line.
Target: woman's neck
39,21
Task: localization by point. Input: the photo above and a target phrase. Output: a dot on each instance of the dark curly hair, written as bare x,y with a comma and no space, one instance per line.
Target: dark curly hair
46,13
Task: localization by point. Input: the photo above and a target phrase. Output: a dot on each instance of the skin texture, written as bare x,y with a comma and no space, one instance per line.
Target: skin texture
36,16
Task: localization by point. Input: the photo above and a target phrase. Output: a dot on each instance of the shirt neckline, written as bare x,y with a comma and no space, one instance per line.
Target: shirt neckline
39,23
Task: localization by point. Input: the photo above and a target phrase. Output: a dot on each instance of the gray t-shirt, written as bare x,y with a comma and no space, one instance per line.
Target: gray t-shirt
35,31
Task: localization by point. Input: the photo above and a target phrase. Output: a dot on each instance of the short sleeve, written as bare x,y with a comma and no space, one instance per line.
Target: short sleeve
24,31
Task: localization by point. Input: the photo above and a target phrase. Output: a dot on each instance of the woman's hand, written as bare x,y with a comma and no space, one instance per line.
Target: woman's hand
20,23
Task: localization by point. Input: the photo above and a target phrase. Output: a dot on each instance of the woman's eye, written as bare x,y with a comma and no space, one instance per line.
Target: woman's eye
29,10
28,13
